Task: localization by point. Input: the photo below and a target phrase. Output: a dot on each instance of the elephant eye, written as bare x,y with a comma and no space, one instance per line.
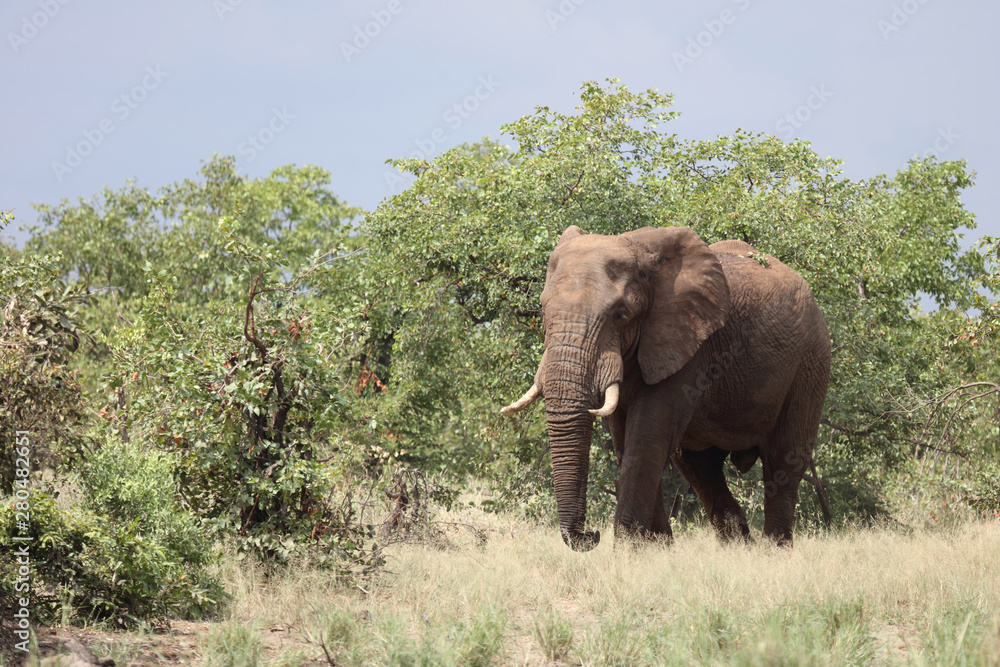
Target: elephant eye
616,270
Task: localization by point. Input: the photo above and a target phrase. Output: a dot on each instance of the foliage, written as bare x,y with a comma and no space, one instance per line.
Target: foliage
986,325
135,486
107,567
259,365
244,396
39,392
221,330
107,243
225,344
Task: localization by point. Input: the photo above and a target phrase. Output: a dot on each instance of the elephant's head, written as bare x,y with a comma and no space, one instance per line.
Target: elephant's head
655,294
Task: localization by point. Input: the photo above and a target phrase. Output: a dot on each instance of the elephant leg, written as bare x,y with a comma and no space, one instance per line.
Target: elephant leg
703,470
661,520
649,435
785,460
781,490
640,512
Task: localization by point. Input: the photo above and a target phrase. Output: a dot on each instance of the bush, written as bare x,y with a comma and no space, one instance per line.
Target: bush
133,485
127,552
242,394
462,254
39,393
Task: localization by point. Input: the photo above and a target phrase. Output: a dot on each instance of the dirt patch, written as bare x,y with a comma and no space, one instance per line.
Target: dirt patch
894,643
177,644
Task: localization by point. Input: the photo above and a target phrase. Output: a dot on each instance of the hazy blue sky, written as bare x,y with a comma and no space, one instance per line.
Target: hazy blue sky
148,89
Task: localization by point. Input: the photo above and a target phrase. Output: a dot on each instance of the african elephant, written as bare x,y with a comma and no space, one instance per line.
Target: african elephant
697,353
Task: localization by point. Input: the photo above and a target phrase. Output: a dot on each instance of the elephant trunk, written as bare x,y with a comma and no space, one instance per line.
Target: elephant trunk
570,431
575,379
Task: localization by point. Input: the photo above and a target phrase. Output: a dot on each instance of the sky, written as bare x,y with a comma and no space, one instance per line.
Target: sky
98,93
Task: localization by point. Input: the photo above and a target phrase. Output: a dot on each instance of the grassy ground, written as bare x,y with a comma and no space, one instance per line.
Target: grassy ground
521,597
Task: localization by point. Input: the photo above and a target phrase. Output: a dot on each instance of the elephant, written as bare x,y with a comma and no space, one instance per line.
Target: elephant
693,353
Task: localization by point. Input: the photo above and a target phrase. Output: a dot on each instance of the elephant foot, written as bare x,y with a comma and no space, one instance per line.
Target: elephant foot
783,540
731,528
642,536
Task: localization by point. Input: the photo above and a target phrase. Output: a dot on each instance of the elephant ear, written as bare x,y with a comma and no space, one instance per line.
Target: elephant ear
570,232
689,298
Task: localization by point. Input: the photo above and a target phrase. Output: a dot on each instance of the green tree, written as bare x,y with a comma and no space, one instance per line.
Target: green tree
106,243
242,392
464,252
224,330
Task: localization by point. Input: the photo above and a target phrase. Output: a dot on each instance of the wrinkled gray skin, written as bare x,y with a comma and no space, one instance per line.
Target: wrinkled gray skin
715,354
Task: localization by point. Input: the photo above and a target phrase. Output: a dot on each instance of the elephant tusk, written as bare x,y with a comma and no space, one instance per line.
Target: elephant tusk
610,402
529,397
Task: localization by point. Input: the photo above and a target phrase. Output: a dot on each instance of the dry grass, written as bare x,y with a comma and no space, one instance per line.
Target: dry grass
520,597
859,597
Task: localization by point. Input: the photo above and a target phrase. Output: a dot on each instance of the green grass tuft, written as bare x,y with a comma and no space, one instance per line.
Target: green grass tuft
232,644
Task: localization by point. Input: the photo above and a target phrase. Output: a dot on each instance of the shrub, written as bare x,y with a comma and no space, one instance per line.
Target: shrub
39,392
132,484
127,552
242,394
